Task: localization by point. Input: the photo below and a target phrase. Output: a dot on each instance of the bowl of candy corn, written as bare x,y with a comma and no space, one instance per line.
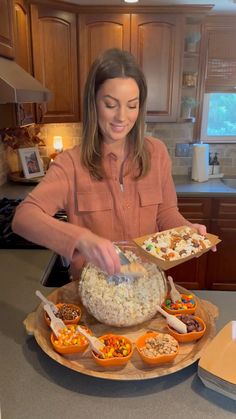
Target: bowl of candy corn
70,341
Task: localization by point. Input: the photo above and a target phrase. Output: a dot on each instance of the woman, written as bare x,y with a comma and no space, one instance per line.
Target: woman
116,185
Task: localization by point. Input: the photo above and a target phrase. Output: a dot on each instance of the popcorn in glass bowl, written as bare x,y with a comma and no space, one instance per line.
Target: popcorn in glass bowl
127,303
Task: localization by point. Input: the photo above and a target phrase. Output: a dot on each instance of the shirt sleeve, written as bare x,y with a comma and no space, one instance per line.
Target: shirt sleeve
34,219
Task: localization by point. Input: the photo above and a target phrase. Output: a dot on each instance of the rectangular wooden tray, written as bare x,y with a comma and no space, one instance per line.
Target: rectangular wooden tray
165,265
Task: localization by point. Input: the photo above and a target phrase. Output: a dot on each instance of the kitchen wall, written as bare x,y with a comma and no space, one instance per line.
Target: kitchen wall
170,134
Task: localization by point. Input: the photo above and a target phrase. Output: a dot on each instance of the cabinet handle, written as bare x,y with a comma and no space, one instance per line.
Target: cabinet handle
40,110
22,114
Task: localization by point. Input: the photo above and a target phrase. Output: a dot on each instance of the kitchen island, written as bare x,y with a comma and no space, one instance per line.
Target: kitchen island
33,386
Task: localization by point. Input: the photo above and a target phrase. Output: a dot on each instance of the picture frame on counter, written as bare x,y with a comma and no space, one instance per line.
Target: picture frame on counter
31,162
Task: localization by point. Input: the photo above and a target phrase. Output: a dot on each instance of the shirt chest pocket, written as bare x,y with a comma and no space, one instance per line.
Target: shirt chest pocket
150,201
95,211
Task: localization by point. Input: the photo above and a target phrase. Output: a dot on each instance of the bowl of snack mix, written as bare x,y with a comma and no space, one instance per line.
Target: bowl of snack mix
69,313
157,348
117,351
196,328
187,305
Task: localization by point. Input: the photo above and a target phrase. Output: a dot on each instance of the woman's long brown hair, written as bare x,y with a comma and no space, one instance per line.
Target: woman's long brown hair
113,63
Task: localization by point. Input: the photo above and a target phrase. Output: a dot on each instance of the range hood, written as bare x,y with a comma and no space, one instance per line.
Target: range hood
18,86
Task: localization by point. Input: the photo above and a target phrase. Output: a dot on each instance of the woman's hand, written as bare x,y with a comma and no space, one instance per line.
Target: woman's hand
202,230
99,251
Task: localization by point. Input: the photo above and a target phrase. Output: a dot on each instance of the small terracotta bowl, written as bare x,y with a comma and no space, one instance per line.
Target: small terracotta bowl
74,348
159,359
113,361
70,306
190,310
190,336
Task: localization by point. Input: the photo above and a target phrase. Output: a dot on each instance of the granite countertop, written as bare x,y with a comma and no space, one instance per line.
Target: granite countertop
33,386
184,187
212,188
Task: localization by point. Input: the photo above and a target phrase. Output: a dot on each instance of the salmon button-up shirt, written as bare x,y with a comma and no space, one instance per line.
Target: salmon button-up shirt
109,209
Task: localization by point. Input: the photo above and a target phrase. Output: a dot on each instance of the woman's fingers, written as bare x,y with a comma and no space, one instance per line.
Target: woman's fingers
201,228
203,231
99,251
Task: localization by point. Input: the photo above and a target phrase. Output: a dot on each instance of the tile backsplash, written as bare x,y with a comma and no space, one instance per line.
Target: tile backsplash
170,134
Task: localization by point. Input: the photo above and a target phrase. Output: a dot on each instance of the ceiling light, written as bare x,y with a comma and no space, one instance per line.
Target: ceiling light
131,1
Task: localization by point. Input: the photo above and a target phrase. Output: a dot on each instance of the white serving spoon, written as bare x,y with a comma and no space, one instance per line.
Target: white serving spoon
94,342
173,321
174,293
46,301
56,324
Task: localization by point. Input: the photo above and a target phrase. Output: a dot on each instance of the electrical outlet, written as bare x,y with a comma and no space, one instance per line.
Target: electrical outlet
182,150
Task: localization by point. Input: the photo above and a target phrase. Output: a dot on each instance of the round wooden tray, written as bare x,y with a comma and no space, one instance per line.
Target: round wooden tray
135,369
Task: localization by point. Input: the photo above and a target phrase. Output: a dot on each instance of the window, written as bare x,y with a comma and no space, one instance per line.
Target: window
219,118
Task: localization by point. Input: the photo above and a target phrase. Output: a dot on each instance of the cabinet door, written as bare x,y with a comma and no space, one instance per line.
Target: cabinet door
26,111
98,33
55,62
195,209
221,267
7,48
192,274
156,41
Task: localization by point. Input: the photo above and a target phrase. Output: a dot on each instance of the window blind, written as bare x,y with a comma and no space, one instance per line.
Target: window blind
221,61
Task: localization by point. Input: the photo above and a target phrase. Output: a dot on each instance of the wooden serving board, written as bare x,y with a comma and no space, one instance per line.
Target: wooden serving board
135,369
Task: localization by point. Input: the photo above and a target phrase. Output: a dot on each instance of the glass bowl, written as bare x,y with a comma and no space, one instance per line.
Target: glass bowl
127,303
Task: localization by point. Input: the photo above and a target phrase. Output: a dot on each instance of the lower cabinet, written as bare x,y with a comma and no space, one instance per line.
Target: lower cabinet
221,266
192,274
213,270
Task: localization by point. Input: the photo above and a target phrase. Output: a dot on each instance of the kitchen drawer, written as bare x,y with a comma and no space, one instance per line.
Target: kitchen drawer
224,208
195,208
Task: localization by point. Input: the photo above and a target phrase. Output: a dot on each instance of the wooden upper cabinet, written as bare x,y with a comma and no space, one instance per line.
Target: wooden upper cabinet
98,33
7,48
55,62
156,41
22,35
23,56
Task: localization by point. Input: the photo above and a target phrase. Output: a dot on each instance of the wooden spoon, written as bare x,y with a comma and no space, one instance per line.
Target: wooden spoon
174,293
95,343
173,321
56,324
46,301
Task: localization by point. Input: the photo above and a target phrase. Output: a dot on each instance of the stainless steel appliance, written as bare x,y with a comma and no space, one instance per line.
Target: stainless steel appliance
57,272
